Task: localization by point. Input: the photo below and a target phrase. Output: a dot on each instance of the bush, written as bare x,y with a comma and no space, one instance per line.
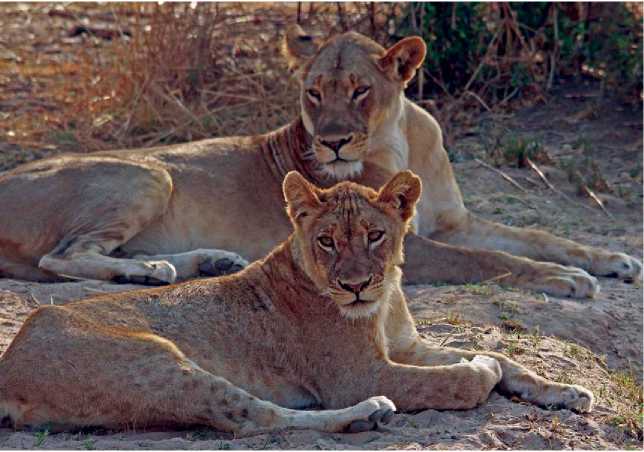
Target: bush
498,51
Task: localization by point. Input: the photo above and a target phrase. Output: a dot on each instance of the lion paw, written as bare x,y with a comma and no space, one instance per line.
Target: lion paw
618,265
562,281
151,273
489,364
573,397
222,263
370,413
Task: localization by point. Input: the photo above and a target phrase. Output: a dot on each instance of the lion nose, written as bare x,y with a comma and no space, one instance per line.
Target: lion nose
336,145
355,287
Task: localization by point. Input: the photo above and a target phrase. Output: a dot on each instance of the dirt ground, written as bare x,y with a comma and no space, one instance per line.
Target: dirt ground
597,343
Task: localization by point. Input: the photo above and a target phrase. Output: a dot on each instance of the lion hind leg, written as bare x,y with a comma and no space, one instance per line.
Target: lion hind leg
542,246
142,380
201,262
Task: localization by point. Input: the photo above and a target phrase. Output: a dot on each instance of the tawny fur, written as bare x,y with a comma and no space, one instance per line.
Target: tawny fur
242,353
160,214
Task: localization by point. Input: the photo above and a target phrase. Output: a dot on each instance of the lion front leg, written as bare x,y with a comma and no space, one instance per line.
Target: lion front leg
539,245
517,379
458,386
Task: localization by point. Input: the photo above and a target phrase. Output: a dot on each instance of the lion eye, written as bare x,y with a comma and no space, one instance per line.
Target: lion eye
325,241
360,91
374,236
314,93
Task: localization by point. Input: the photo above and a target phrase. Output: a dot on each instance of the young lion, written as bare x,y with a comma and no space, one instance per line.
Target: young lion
320,322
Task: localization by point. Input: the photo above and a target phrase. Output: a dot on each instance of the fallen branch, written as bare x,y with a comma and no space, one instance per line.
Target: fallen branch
502,174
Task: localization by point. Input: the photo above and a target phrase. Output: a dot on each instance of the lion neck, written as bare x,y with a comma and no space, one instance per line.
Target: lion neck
290,148
284,270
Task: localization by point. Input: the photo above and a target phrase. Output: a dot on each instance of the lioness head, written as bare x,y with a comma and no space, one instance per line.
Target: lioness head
349,238
351,87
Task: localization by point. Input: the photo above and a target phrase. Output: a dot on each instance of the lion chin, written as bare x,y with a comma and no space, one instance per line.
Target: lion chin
360,309
343,170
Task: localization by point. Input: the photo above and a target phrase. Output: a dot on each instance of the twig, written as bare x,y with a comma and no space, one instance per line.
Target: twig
542,176
476,96
508,97
34,299
595,198
482,62
553,55
502,174
496,278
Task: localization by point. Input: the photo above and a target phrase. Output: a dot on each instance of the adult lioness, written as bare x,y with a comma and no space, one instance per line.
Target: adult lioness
322,321
154,215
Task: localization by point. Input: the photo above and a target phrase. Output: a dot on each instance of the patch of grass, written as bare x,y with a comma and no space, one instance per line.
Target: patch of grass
508,309
514,150
565,378
513,348
478,289
574,351
535,338
64,139
89,444
636,171
582,143
630,417
454,318
41,437
513,325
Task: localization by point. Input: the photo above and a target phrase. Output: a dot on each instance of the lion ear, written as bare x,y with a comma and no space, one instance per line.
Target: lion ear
401,61
402,193
300,195
298,47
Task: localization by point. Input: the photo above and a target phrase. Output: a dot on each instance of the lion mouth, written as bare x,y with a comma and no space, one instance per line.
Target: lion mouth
342,169
342,162
360,301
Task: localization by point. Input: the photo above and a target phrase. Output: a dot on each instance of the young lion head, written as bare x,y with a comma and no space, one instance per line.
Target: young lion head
349,238
351,87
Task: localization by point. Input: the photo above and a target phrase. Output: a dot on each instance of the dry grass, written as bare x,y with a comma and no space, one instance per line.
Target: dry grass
175,72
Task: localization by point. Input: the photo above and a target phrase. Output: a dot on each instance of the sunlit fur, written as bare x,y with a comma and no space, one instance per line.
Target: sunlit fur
347,213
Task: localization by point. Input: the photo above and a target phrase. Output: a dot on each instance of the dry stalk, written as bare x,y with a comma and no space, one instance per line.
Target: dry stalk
502,174
598,201
542,176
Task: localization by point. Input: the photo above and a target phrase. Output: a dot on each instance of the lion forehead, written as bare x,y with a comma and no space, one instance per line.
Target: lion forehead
346,53
348,205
